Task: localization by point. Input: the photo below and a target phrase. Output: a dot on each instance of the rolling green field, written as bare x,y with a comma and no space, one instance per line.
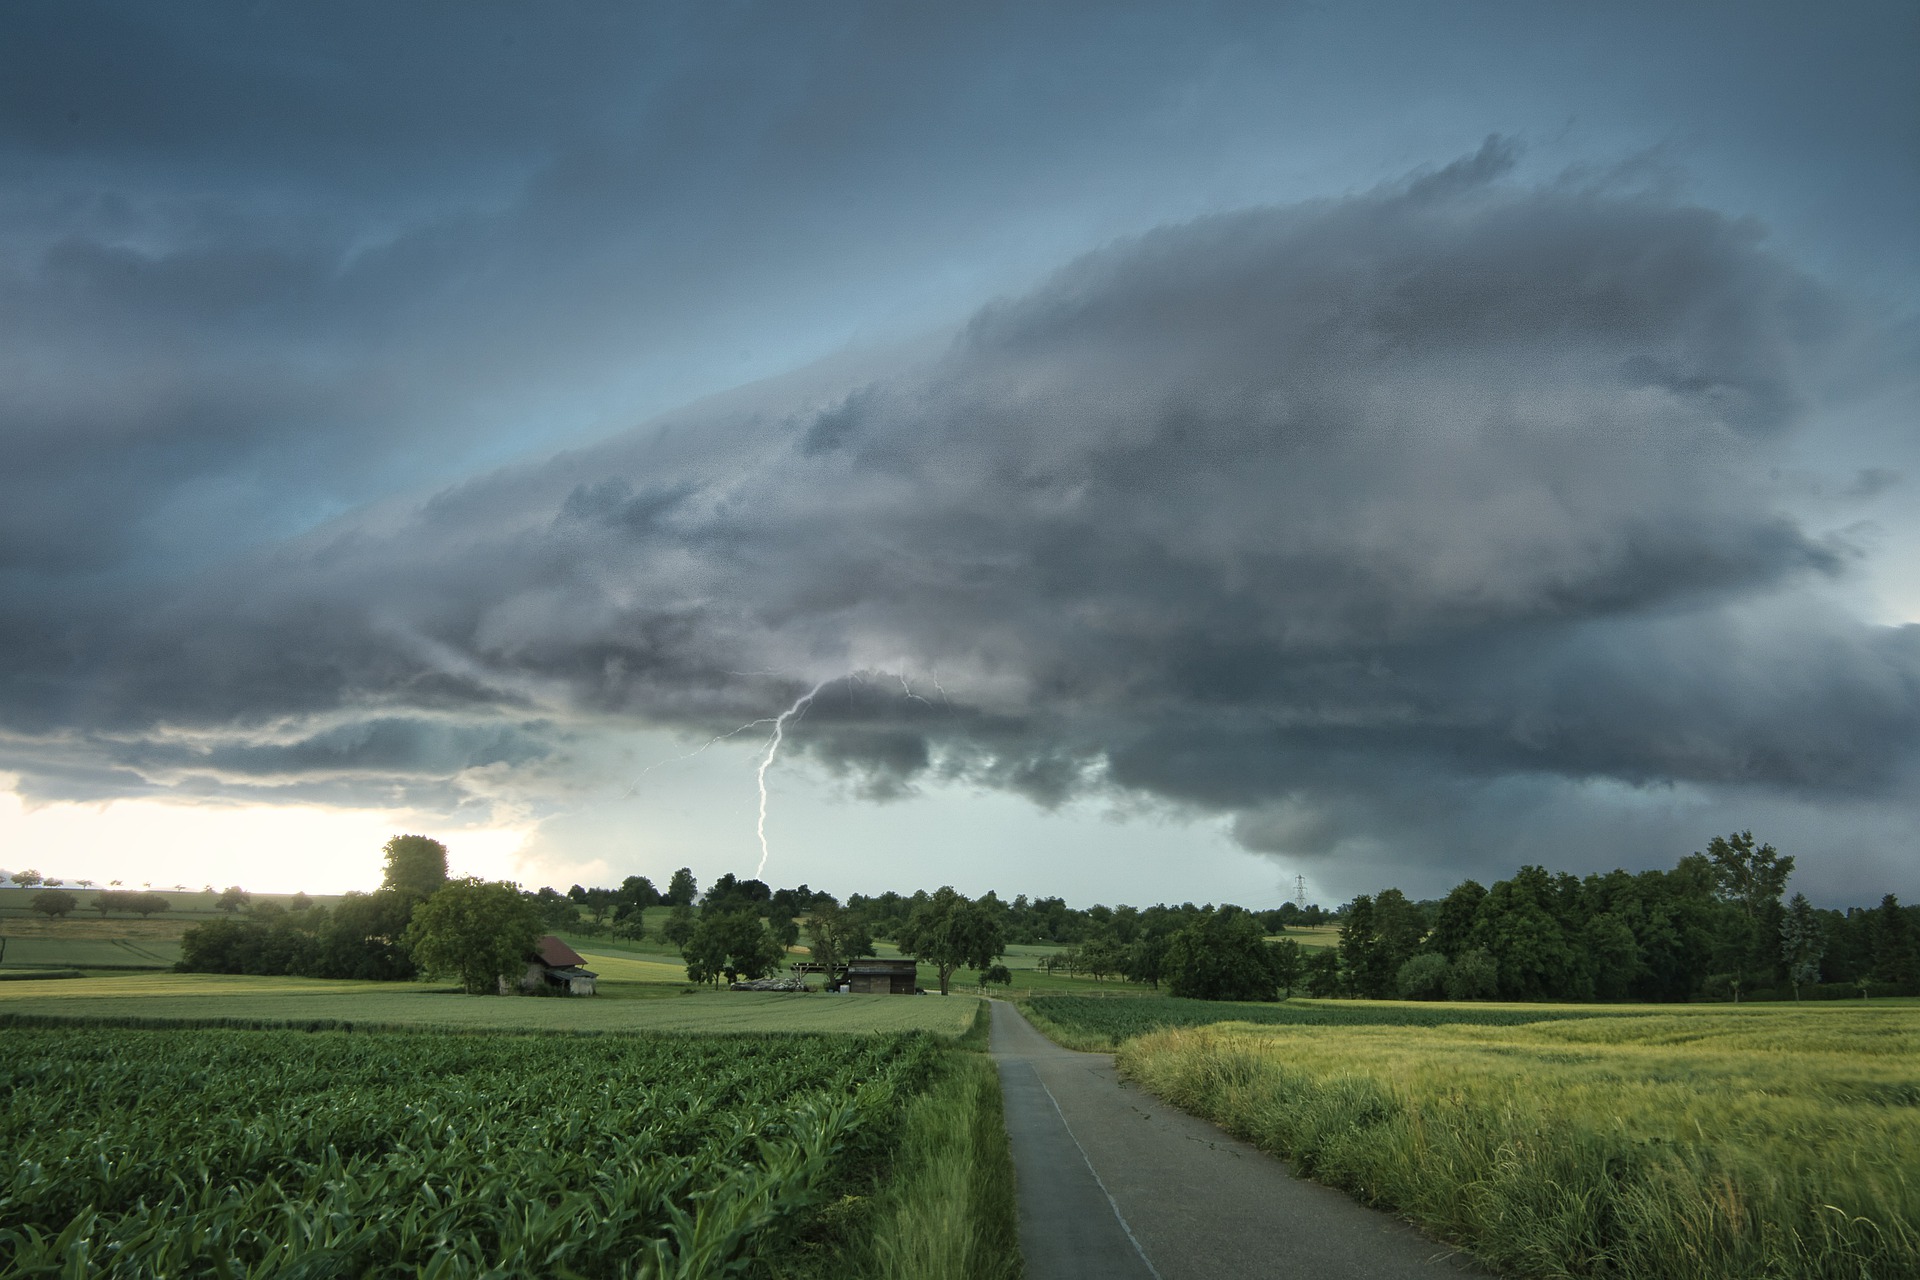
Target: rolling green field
1686,1144
427,1155
1099,1025
206,997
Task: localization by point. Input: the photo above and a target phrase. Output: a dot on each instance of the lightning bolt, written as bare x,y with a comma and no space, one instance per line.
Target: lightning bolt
800,705
911,694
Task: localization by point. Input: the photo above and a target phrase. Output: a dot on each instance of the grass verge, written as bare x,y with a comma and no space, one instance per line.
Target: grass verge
947,1211
1666,1147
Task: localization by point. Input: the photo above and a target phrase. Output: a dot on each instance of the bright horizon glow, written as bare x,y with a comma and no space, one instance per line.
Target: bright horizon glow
263,848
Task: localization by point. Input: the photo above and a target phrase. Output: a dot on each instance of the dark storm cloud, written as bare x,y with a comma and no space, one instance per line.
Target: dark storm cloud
1348,518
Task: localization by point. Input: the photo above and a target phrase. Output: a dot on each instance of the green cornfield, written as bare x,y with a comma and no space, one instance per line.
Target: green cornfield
257,1153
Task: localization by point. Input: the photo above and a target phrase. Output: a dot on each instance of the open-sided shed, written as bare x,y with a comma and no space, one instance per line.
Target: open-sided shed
881,977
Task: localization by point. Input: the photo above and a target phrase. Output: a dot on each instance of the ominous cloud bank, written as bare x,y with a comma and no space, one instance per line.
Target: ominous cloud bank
1357,520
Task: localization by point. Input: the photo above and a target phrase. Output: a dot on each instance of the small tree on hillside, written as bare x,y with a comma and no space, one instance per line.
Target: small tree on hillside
478,930
948,931
26,879
53,903
233,898
682,889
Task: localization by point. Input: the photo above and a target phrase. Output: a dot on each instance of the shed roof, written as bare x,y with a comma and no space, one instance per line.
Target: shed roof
556,953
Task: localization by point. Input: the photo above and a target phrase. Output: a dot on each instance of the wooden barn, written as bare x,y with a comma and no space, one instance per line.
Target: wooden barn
556,966
881,977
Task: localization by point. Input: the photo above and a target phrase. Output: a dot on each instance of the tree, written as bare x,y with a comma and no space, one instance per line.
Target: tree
1453,926
26,879
679,926
54,902
1423,978
299,902
996,973
1802,943
1288,966
731,944
1473,975
1745,876
416,866
1221,956
145,904
1323,973
233,898
1896,951
682,889
949,930
479,930
636,894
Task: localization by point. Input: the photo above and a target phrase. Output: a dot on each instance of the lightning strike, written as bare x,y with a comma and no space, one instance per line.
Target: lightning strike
773,749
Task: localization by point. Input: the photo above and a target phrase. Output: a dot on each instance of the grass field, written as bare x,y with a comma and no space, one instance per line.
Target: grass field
1707,1141
198,997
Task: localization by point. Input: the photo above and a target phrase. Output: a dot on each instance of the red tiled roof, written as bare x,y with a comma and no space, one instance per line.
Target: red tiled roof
556,953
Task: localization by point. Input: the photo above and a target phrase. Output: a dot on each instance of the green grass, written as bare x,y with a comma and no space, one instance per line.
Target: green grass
79,952
279,1153
212,998
947,1212
1687,1144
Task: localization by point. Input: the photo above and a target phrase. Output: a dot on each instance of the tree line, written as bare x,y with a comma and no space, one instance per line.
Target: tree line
1713,927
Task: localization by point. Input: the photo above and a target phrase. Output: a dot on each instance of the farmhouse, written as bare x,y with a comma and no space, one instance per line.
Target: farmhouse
881,977
556,966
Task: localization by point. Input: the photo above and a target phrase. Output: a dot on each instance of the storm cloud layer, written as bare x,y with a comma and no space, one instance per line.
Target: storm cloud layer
1338,518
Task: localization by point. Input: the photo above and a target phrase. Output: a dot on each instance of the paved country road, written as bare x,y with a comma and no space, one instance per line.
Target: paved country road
1116,1185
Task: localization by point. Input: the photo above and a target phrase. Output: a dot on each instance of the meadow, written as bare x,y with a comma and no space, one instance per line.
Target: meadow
390,1154
1100,1024
215,999
1685,1144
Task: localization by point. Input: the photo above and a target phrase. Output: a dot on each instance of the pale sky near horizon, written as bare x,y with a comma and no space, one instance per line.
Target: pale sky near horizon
1182,448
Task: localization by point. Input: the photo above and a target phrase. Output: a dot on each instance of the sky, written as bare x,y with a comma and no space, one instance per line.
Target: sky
1130,452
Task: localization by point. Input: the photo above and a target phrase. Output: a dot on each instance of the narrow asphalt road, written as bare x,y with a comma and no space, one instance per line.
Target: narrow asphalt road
1117,1185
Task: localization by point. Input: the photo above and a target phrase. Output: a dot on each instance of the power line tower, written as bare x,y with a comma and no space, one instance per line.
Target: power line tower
1300,892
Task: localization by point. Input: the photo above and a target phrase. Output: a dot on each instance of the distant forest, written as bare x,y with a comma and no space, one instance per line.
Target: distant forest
1717,926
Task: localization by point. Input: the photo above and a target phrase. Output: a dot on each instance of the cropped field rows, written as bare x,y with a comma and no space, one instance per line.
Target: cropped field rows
406,1154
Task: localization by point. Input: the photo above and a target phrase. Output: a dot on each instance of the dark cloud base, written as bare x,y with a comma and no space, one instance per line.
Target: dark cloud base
1324,516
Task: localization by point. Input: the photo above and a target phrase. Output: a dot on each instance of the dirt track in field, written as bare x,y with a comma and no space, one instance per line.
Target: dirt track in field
1116,1185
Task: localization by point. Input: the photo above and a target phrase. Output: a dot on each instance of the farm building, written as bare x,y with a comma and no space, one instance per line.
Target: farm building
881,977
555,966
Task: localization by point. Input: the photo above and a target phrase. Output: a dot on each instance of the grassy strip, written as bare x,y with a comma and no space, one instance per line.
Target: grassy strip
947,1211
1652,1148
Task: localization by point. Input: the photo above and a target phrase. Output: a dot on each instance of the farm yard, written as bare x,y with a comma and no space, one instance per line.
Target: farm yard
421,1154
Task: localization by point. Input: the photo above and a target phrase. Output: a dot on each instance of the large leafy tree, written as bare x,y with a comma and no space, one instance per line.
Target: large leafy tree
1223,955
836,935
416,866
948,931
731,944
477,930
54,902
